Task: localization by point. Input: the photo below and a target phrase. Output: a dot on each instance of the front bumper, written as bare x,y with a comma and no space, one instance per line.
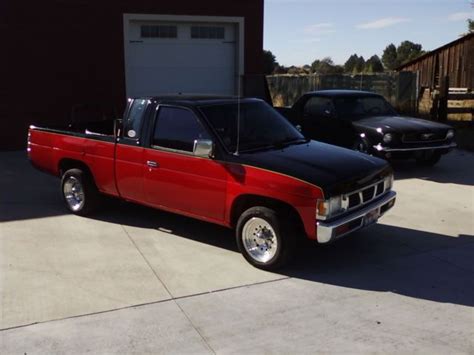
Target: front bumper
380,148
369,214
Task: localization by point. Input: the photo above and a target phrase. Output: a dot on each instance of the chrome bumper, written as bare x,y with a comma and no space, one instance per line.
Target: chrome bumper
380,148
330,231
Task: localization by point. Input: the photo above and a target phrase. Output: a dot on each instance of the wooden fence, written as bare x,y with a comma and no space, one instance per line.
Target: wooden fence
398,88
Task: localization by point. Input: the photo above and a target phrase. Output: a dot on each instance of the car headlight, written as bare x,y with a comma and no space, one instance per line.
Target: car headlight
450,134
388,183
328,208
387,138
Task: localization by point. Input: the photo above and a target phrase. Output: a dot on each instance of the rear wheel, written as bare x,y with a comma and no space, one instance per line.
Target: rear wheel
429,159
79,192
264,239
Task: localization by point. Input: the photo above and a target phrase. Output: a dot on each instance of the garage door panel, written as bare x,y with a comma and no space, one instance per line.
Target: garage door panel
148,81
158,65
178,55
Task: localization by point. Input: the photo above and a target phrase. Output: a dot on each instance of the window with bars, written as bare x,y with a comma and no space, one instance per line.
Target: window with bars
207,32
159,31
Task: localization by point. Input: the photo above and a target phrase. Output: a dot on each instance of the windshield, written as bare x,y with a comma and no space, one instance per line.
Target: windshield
260,126
357,107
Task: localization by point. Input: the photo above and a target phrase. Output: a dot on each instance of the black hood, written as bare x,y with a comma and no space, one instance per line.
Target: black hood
400,124
336,170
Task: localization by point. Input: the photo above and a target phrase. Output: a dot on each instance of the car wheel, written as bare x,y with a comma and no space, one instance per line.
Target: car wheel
264,239
361,146
429,159
79,192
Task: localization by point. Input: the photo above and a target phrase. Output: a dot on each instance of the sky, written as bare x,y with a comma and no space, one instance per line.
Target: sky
300,31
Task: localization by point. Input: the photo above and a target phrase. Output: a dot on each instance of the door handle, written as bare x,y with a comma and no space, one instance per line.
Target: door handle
152,164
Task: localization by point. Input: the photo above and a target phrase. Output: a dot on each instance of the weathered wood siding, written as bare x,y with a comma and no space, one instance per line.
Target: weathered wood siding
456,60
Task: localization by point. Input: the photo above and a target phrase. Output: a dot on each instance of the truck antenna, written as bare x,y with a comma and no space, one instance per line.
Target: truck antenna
237,147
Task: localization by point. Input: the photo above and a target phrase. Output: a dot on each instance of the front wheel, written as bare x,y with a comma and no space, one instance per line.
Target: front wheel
264,239
361,145
79,192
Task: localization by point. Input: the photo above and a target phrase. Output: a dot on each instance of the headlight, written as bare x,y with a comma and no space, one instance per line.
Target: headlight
328,208
387,138
450,134
388,183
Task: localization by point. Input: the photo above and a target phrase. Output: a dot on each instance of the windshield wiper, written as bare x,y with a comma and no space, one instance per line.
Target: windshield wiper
287,142
277,145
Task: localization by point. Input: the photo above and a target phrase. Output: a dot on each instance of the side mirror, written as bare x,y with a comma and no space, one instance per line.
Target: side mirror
203,148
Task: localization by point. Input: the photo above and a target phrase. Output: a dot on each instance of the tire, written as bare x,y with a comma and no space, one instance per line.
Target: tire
429,159
361,145
79,192
264,238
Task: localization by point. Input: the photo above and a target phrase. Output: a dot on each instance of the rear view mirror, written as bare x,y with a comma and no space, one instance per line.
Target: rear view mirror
203,148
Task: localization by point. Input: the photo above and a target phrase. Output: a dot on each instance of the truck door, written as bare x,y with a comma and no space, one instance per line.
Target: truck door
177,180
129,153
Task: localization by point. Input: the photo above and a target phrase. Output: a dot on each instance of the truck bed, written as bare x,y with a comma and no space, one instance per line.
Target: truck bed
103,129
52,149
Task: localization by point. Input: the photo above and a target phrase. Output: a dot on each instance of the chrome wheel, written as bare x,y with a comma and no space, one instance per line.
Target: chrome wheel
360,147
74,193
259,239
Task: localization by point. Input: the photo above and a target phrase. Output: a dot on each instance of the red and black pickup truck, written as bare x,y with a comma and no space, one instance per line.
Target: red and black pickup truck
233,162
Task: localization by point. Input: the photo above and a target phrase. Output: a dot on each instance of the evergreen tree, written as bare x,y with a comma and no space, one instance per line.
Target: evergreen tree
389,57
351,63
373,65
359,66
269,62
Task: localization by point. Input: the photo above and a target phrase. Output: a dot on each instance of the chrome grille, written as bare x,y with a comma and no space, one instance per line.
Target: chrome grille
363,196
422,137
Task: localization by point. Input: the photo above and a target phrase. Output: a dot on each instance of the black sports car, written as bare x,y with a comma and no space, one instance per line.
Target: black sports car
366,122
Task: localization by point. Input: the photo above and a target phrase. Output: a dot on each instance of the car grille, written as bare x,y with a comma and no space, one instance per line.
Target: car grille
423,137
363,196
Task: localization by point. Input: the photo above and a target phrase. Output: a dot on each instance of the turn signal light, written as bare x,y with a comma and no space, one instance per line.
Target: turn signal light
322,209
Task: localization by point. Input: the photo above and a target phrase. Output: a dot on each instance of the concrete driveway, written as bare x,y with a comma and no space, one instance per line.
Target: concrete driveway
136,280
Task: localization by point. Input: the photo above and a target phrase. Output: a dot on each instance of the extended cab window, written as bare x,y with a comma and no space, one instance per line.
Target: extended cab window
319,107
133,123
177,129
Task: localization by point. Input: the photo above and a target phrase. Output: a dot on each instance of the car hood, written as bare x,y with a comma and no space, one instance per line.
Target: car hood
400,124
334,169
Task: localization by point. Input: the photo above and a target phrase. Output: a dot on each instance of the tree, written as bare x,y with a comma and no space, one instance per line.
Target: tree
294,70
373,65
359,66
408,51
326,66
269,62
470,25
351,63
389,57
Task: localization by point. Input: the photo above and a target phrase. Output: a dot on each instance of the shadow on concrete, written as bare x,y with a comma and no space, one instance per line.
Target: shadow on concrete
26,193
456,167
383,258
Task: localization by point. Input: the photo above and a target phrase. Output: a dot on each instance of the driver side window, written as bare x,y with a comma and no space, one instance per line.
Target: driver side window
177,129
318,107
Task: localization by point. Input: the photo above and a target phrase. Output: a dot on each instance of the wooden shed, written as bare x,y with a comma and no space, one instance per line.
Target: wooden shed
446,80
455,60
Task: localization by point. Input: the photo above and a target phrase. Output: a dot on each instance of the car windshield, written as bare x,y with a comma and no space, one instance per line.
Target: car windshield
260,126
358,107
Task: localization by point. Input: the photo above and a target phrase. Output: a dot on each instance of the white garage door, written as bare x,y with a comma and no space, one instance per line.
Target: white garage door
167,57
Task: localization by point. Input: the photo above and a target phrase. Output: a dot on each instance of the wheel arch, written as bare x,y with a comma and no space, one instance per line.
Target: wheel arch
245,201
67,164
